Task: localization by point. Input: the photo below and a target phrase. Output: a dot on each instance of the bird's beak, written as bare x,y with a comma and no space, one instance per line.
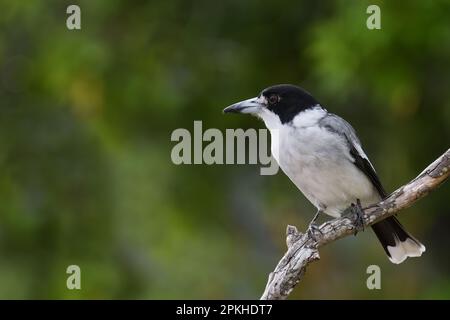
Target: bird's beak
252,105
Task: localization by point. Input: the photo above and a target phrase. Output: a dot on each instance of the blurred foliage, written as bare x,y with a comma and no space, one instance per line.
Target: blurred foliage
85,124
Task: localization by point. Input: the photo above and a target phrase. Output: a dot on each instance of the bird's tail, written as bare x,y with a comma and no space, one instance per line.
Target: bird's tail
396,241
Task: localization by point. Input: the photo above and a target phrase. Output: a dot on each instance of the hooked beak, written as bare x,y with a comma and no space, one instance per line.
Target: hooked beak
252,105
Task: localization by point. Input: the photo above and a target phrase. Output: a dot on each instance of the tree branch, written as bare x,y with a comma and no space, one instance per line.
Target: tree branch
302,249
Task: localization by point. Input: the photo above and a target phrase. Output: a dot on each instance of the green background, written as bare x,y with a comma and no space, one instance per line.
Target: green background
86,117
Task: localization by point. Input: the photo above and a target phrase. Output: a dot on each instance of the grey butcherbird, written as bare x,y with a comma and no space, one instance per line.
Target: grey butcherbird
321,153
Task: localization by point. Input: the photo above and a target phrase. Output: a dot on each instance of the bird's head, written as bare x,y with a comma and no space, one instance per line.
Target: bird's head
276,104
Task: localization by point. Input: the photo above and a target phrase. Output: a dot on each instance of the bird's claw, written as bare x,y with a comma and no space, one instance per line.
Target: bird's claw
312,229
358,214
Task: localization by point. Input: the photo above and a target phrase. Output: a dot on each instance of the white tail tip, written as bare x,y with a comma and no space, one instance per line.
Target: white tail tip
405,249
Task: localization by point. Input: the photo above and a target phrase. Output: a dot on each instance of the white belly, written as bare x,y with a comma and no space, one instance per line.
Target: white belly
322,168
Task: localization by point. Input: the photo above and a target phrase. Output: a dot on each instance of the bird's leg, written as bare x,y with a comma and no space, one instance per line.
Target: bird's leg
358,213
312,227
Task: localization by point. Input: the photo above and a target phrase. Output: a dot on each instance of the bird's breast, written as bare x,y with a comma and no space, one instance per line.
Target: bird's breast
319,164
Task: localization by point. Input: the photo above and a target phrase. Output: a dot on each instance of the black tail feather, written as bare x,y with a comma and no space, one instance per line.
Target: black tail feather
396,241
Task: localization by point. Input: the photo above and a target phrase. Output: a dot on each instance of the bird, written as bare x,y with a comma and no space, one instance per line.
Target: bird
322,155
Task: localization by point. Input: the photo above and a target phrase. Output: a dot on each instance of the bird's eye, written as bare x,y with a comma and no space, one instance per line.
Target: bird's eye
274,99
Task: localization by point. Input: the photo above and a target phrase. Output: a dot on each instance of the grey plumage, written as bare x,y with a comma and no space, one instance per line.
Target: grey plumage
389,231
341,127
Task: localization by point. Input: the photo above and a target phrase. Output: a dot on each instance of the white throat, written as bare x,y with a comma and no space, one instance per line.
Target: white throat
279,131
271,120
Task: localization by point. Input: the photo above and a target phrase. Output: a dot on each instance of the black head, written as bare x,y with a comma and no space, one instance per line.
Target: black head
284,100
287,101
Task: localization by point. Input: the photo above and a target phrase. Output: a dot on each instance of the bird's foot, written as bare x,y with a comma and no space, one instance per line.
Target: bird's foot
358,214
312,230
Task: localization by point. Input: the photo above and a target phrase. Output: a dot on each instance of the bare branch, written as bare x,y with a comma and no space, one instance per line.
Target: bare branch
302,249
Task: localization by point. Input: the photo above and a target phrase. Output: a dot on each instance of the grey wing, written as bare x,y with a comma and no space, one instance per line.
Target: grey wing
338,125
